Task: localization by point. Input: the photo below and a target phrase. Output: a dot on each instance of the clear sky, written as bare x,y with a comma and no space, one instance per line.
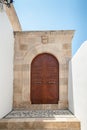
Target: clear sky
54,15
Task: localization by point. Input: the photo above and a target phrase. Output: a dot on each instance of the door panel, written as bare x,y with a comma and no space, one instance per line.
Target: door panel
44,80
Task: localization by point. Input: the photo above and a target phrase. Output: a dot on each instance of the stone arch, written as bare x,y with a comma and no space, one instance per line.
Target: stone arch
42,49
30,44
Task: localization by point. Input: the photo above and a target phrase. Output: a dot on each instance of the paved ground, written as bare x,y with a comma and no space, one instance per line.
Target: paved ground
38,114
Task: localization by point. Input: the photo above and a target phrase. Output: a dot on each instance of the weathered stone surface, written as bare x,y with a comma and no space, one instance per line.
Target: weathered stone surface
23,47
27,46
11,13
58,123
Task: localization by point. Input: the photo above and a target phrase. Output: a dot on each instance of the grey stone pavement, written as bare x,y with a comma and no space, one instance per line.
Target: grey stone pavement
38,114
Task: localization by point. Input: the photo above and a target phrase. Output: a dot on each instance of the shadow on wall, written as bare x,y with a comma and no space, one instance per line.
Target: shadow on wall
70,89
78,85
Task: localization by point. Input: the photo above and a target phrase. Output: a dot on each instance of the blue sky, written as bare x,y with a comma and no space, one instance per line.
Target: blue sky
54,15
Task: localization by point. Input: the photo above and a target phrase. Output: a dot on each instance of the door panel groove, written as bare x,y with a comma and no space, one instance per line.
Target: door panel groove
44,79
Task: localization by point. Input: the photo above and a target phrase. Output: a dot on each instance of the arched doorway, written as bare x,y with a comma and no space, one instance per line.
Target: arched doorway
44,79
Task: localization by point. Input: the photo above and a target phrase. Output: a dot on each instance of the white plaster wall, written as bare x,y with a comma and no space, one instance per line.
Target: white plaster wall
6,65
78,85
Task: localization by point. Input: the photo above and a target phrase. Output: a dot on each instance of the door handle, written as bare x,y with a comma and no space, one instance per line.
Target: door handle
38,82
51,82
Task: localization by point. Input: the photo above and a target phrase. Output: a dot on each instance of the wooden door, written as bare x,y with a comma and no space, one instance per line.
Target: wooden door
44,80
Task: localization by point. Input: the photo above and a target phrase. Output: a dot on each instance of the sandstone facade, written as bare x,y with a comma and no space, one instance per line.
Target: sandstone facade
27,46
13,18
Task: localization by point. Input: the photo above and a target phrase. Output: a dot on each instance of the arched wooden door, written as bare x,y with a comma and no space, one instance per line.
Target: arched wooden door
44,79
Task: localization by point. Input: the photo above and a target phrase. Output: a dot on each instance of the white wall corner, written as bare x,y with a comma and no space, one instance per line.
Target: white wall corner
6,64
78,85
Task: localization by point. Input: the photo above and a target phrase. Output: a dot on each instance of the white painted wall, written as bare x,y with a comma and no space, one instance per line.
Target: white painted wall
6,65
78,85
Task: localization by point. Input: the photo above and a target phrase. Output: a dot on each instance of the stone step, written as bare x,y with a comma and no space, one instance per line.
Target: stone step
56,123
44,106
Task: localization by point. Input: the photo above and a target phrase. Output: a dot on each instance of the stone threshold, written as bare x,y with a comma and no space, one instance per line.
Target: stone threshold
20,113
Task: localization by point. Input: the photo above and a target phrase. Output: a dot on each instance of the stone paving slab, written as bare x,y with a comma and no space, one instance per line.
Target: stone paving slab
40,124
38,114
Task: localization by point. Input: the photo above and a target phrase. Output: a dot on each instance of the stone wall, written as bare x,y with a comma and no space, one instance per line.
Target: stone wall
13,18
27,46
